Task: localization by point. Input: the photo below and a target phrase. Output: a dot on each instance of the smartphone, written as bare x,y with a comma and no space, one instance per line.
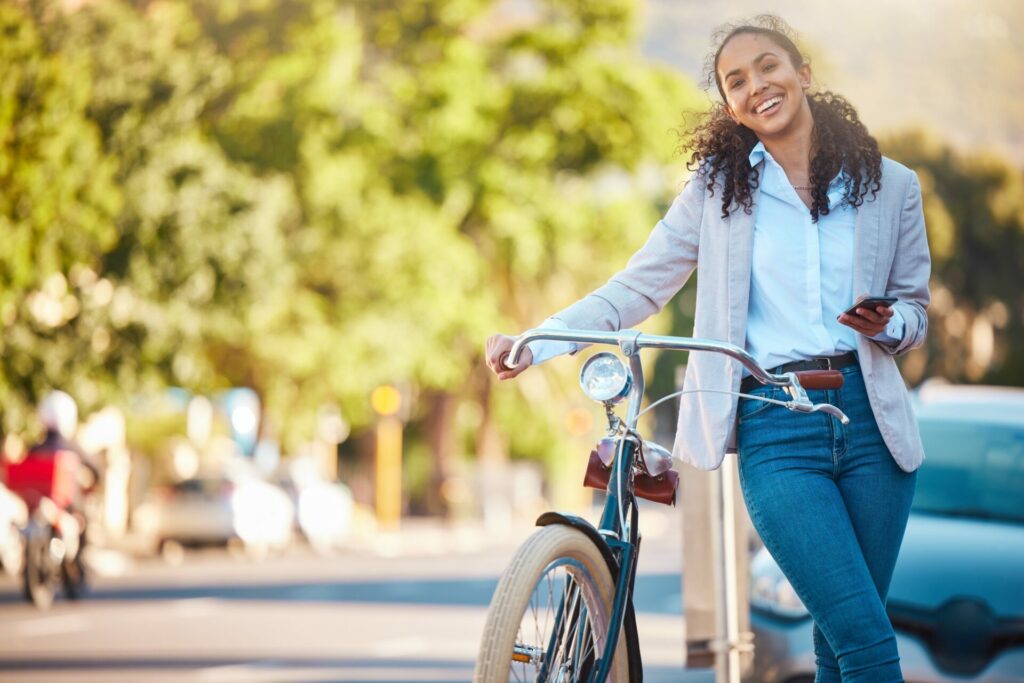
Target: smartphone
871,302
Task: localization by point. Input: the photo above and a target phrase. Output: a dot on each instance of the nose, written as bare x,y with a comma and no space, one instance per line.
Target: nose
757,84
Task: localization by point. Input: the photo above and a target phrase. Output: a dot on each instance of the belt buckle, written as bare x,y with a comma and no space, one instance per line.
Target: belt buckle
828,362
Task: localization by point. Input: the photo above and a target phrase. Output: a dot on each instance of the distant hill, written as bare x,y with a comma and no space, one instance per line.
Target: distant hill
954,66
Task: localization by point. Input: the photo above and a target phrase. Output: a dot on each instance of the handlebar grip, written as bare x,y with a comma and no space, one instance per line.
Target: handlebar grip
820,379
502,364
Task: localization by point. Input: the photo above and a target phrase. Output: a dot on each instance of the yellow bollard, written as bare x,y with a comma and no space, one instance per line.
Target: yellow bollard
386,401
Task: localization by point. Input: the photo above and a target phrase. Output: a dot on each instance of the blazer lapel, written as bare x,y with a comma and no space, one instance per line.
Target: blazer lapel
865,256
741,242
865,249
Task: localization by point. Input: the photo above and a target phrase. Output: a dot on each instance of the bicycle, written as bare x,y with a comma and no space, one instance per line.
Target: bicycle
563,610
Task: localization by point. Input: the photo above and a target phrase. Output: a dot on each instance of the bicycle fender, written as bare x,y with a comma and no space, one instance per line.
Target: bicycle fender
580,524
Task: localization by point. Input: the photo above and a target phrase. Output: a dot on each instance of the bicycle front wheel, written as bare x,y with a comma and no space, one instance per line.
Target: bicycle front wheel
550,616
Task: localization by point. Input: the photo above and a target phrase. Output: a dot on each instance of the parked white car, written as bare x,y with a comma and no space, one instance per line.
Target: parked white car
217,511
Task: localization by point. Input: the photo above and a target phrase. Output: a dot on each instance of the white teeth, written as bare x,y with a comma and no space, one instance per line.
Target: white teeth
768,103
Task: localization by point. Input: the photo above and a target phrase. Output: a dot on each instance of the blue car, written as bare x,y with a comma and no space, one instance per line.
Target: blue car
957,594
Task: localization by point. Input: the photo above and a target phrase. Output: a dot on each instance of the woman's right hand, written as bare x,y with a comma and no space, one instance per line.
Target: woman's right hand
497,351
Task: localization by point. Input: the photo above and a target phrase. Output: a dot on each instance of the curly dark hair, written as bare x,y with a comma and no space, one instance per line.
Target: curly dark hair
720,146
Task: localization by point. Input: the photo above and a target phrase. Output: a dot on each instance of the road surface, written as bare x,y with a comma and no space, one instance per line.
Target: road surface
409,609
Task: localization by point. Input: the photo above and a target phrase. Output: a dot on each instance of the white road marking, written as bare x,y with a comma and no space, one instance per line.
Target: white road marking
400,647
51,626
196,607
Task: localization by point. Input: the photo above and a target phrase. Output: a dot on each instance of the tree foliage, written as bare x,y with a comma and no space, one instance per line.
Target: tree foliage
315,197
58,201
974,209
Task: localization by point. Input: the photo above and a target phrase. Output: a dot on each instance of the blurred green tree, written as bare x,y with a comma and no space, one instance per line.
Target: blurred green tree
314,197
58,203
199,250
974,209
145,255
456,172
547,140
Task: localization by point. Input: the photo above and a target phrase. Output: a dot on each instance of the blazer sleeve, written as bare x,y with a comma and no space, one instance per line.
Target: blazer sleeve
911,268
654,273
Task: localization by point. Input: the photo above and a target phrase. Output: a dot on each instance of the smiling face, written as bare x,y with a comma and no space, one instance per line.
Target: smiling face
763,87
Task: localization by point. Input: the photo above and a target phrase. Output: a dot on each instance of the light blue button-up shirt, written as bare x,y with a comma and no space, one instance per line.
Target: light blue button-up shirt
801,276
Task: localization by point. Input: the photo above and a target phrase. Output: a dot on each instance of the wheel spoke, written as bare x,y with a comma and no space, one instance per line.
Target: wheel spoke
555,641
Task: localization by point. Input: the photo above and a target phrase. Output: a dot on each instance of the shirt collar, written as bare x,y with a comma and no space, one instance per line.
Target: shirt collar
757,154
835,188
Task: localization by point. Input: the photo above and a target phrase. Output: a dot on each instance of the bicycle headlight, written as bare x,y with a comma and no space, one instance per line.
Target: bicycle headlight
771,591
605,379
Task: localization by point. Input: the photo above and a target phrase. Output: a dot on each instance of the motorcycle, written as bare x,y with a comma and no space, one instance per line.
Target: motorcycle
53,554
55,532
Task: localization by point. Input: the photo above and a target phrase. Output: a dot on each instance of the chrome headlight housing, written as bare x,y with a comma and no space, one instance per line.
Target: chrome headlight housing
605,378
771,591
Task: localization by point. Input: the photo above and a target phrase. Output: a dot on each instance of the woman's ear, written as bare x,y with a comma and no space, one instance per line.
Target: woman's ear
804,75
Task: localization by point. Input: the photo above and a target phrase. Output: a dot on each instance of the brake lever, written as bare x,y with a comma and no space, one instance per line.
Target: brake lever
826,408
801,403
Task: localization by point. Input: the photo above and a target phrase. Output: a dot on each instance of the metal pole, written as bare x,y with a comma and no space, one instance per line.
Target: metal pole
728,657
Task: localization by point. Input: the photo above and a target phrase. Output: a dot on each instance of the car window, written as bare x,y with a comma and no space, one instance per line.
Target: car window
972,469
207,488
189,486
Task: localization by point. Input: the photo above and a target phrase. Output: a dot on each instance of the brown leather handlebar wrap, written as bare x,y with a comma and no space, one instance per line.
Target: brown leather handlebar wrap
820,379
660,489
502,365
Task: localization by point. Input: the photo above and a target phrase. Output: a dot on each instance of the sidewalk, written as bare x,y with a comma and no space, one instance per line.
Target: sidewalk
417,536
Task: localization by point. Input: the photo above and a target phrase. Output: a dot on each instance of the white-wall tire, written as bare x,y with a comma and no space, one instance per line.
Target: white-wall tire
515,618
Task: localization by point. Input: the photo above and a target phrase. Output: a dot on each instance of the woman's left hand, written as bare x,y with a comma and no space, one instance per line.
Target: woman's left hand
868,321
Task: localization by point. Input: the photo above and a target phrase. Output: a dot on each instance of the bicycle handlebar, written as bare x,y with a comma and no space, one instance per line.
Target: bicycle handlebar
631,341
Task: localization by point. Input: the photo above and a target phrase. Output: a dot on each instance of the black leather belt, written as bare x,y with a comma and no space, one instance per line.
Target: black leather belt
830,363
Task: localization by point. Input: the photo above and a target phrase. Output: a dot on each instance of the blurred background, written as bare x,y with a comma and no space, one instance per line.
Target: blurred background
261,242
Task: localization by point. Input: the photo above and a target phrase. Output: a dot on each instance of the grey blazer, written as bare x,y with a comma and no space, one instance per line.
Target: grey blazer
891,257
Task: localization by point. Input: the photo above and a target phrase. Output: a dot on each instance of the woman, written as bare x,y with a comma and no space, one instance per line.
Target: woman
791,211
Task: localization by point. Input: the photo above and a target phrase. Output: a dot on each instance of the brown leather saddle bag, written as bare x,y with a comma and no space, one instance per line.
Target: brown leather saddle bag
660,489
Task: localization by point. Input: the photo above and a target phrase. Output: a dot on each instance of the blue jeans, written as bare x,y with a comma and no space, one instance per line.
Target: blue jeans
831,506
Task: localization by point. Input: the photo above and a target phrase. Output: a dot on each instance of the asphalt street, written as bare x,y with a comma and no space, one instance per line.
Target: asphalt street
408,609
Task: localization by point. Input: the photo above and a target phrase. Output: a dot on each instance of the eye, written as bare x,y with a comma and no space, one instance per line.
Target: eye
734,84
769,67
